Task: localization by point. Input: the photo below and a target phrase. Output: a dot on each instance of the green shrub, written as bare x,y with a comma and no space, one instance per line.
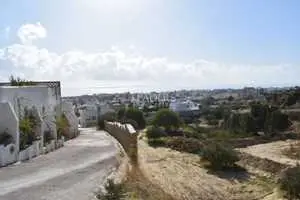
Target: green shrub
62,125
113,190
137,116
226,134
184,144
155,132
157,142
213,122
219,156
109,116
289,182
100,124
20,82
201,129
167,119
26,133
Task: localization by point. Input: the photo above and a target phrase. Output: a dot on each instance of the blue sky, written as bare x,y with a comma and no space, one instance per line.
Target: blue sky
256,37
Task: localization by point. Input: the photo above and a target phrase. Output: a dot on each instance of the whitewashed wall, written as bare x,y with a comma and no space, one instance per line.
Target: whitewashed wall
68,110
8,154
23,96
9,122
40,97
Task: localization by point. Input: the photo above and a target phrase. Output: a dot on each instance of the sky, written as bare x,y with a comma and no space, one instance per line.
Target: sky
95,46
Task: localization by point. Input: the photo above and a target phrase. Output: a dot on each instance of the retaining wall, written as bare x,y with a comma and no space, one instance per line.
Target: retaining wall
126,136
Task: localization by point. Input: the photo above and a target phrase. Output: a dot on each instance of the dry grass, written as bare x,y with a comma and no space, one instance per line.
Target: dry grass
256,188
163,173
272,151
182,175
139,187
293,151
136,185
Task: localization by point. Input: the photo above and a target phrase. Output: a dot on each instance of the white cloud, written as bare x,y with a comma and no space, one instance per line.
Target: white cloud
116,70
27,33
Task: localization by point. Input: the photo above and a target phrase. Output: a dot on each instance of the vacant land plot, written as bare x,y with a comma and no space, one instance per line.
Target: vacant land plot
182,176
273,151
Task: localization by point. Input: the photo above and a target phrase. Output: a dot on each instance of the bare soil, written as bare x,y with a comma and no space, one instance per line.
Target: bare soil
182,176
272,151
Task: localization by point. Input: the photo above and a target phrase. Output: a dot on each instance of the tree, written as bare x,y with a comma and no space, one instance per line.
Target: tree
230,98
260,113
19,82
121,113
276,121
137,116
109,116
219,156
167,119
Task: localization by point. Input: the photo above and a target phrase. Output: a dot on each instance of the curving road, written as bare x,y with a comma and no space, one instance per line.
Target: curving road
73,172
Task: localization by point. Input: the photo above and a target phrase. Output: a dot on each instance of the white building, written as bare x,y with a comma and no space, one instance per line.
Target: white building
104,108
44,100
183,106
88,115
39,97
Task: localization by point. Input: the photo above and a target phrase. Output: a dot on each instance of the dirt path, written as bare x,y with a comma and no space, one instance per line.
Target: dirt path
272,151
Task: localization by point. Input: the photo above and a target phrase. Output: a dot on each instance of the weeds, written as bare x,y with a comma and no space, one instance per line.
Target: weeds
113,191
289,182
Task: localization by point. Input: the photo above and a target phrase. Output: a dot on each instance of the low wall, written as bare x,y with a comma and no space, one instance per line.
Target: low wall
126,136
32,151
8,154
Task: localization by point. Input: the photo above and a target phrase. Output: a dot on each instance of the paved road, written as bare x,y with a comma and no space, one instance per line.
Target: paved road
69,173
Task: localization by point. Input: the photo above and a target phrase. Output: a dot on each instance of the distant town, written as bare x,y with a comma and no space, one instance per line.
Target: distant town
188,103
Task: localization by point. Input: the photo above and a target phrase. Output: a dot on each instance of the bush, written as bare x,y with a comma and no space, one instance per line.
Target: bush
184,144
114,191
19,82
100,124
167,119
26,133
137,116
289,182
213,122
157,142
155,132
219,156
62,125
109,116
